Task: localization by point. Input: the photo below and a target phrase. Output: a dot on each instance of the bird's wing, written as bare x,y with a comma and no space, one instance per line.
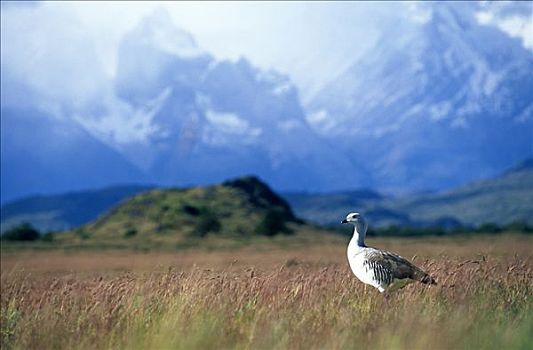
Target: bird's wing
387,267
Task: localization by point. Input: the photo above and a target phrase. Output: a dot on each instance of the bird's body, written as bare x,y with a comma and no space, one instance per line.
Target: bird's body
383,270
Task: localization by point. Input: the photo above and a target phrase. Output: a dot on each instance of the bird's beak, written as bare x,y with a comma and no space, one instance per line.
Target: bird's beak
344,221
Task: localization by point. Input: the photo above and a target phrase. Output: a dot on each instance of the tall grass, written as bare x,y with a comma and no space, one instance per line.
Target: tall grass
478,304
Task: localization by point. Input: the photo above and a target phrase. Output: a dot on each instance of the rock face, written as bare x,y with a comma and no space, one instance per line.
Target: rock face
260,195
173,115
433,106
211,120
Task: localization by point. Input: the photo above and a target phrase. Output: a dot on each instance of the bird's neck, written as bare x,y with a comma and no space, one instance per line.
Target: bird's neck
359,232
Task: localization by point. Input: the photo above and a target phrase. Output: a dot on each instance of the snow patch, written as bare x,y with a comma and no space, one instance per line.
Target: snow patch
526,115
440,111
459,123
317,117
161,31
224,127
419,13
415,109
321,121
282,89
124,124
491,82
227,122
289,125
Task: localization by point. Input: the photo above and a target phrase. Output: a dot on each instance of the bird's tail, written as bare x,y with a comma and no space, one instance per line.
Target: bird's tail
427,279
423,277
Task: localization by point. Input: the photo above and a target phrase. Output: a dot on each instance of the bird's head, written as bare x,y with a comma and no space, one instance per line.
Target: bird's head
352,218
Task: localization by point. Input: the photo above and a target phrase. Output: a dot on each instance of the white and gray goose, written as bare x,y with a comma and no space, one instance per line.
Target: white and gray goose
383,270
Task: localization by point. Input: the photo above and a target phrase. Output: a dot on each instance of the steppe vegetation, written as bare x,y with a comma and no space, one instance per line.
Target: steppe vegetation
268,296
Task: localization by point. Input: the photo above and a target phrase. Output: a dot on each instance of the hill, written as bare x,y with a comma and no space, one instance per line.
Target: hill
500,200
64,211
330,208
241,207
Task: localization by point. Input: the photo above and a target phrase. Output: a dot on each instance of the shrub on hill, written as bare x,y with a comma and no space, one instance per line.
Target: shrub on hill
48,236
130,232
22,232
272,224
207,223
519,226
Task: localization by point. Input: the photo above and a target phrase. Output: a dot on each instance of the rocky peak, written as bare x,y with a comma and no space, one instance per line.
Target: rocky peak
260,194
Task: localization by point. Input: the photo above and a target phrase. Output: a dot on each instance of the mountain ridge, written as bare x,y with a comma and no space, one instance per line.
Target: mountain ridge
44,154
500,200
436,108
433,107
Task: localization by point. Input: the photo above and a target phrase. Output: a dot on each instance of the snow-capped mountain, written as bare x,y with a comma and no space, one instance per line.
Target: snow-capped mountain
172,115
154,55
211,119
42,154
437,104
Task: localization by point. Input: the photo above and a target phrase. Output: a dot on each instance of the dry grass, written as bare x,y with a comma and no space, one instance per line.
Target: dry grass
298,298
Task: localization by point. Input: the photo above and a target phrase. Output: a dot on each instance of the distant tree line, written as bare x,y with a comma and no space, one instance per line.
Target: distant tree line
405,231
273,223
26,232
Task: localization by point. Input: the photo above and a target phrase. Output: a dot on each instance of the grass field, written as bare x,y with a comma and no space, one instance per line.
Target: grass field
268,296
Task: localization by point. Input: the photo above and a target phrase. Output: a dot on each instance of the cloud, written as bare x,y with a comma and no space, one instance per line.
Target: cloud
62,56
513,18
419,12
50,54
289,37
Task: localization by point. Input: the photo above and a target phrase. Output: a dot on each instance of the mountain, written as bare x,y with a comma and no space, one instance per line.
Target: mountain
211,120
328,208
172,115
64,211
500,200
241,207
433,106
41,153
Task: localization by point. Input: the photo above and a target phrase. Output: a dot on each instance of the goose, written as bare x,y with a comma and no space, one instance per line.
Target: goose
381,269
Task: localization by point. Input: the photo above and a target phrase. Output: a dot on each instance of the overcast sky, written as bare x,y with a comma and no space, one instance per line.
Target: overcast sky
54,43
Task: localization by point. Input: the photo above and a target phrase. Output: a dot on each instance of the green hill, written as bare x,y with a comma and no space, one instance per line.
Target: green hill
242,207
501,200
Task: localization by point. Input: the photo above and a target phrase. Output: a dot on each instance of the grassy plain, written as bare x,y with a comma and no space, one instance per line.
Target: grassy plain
268,295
